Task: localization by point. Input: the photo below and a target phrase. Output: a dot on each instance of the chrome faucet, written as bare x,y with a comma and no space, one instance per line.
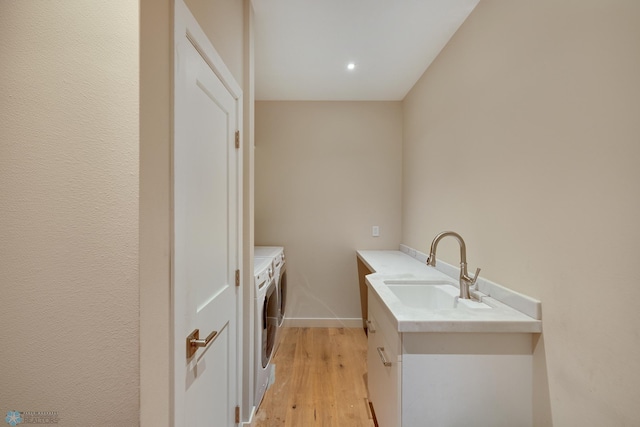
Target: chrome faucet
465,280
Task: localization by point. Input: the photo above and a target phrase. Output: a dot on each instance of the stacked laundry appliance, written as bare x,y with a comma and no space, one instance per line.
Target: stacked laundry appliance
270,303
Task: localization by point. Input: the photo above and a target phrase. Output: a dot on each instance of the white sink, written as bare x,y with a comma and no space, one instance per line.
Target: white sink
426,295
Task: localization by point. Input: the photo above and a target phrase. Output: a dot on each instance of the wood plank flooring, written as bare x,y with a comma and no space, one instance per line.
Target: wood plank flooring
320,380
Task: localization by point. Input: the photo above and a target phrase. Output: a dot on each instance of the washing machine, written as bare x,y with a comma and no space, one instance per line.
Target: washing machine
266,323
280,272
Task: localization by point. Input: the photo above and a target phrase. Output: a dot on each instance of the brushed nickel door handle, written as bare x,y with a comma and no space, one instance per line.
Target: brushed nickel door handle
194,341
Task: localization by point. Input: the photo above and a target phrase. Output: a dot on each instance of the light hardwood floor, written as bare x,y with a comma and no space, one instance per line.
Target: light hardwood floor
320,380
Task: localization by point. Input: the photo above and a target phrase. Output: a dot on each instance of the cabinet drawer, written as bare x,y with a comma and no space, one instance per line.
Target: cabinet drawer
383,325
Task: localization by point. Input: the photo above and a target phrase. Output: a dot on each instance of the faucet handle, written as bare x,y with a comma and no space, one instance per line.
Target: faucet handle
476,276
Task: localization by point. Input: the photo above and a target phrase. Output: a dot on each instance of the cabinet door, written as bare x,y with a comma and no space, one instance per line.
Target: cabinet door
383,379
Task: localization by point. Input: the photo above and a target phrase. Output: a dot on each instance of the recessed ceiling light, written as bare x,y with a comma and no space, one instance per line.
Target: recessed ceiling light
351,66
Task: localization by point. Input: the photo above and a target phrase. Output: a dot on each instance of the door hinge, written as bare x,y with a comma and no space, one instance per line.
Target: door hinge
237,139
237,415
237,277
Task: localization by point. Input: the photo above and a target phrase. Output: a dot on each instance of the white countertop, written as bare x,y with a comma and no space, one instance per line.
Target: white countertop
396,265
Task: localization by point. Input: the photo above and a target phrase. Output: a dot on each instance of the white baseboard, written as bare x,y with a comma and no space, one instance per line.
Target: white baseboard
304,322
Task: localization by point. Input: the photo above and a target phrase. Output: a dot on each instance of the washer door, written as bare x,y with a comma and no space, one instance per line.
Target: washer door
269,323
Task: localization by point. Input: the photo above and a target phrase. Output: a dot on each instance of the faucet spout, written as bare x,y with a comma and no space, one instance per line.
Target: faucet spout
465,280
434,245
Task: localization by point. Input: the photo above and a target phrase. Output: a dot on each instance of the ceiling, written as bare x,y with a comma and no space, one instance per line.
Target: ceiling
302,47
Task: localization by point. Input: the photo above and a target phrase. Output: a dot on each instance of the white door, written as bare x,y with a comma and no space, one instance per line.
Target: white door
206,167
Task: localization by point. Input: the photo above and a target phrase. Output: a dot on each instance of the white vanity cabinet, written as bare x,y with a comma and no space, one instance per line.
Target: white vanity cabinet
447,379
447,365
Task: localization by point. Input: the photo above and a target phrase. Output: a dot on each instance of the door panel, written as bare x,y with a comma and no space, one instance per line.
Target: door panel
206,238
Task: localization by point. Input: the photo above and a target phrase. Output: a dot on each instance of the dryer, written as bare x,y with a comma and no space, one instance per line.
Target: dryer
280,271
266,324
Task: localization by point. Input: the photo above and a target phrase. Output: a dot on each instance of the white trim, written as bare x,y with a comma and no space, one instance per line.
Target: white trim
315,322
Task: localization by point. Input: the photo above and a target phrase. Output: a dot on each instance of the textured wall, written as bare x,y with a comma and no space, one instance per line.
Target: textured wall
325,173
69,218
523,136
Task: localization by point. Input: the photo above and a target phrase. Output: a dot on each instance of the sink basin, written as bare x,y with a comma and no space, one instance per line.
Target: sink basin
431,296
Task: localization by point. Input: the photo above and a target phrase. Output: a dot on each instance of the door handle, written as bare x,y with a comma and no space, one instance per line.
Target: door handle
194,341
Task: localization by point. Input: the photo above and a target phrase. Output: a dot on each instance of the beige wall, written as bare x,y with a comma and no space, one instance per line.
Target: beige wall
524,137
156,117
68,234
326,172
